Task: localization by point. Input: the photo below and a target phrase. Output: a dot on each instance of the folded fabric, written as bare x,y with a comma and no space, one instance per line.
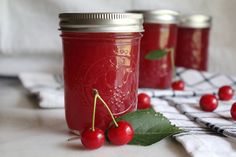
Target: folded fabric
178,106
198,140
47,87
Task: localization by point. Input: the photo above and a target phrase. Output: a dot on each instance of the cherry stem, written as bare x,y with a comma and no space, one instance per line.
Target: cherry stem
73,138
105,104
94,108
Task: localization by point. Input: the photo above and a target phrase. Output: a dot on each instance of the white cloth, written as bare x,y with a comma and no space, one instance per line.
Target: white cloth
47,87
198,140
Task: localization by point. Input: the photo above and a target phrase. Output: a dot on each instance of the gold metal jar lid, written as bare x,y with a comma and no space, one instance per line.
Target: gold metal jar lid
101,22
158,16
195,21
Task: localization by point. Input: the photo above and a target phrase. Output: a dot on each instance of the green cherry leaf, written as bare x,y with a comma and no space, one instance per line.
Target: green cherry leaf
156,54
149,126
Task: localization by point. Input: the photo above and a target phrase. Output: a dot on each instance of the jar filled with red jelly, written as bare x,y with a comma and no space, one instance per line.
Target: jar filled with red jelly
192,42
101,51
160,36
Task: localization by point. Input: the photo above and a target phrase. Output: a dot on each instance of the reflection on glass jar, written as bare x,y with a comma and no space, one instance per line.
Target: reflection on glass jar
192,42
105,59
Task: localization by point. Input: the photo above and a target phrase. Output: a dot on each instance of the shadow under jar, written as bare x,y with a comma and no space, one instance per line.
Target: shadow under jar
192,42
101,51
160,35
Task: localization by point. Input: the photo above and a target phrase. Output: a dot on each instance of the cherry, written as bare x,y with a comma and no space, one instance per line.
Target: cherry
121,134
144,101
92,139
225,93
178,85
208,102
233,111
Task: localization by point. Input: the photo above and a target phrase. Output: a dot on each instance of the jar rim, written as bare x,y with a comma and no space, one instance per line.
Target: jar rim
162,16
196,21
101,22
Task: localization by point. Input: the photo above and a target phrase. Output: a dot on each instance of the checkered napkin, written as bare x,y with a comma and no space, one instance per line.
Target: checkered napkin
210,134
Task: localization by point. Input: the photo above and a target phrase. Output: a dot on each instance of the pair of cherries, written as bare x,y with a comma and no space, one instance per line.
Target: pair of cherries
119,133
209,102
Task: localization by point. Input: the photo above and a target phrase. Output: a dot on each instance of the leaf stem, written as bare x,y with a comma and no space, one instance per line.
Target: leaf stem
108,109
173,62
159,54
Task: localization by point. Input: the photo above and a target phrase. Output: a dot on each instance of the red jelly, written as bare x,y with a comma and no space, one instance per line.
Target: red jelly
192,42
160,34
101,51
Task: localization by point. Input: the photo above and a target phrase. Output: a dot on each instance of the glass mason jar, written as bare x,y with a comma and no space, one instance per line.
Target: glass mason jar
160,34
192,42
101,51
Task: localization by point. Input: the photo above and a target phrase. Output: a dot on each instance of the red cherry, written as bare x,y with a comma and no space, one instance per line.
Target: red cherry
208,102
225,93
122,134
144,101
233,111
178,85
92,139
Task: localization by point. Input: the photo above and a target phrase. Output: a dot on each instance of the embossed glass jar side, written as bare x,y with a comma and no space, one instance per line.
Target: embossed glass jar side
104,60
107,62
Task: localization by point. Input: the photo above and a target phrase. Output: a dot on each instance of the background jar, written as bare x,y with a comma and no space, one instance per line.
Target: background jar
192,42
101,51
160,34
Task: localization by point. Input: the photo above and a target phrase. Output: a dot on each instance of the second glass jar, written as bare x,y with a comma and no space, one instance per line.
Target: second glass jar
160,35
